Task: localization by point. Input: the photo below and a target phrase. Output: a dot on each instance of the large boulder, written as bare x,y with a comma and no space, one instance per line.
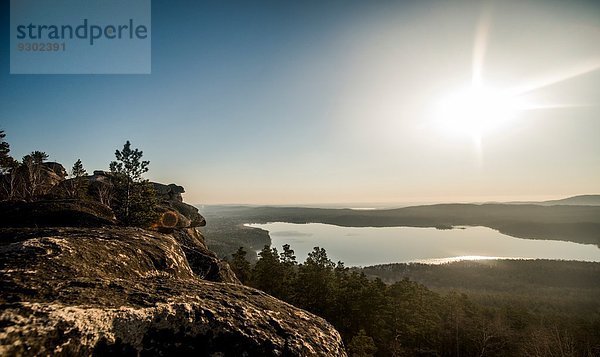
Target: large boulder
53,173
127,291
170,192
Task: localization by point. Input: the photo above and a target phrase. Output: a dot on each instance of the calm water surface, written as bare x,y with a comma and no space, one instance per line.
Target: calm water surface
370,245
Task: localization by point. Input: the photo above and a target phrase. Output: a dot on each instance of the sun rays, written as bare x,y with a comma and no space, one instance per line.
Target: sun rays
481,109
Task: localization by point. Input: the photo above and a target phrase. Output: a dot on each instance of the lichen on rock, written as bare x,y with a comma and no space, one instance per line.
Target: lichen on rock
129,291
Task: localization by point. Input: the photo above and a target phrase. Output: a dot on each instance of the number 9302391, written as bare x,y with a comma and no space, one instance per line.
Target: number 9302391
41,47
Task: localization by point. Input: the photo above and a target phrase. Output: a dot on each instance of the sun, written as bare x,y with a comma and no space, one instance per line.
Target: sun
477,110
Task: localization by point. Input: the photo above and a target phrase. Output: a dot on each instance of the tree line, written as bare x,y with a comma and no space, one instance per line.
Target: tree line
131,197
408,319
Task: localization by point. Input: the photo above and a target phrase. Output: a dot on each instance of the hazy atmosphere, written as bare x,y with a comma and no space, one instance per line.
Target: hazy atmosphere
342,178
341,102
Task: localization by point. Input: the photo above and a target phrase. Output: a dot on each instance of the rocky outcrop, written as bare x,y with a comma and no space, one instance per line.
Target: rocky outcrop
53,173
174,212
203,262
77,284
31,180
171,192
74,213
128,291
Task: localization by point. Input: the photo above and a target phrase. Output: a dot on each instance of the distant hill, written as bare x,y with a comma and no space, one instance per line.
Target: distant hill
581,200
576,223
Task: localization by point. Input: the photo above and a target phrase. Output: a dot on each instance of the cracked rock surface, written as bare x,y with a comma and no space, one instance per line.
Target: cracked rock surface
128,291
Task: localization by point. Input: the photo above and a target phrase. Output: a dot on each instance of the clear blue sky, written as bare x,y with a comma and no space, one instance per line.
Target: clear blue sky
330,101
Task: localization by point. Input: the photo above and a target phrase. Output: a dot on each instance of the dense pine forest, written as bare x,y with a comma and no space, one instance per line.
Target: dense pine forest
508,311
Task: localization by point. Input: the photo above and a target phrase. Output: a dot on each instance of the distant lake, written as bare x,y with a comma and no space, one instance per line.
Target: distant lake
374,245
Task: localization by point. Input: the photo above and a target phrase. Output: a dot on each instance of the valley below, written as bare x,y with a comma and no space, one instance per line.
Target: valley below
361,246
494,279
228,227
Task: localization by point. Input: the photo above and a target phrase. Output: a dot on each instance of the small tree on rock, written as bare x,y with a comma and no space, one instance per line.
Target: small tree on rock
6,161
34,170
129,163
8,170
135,200
78,170
77,184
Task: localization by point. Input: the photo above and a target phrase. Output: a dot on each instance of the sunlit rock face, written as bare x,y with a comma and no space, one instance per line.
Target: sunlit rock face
128,291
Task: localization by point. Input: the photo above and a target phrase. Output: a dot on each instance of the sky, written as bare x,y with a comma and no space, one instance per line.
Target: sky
318,102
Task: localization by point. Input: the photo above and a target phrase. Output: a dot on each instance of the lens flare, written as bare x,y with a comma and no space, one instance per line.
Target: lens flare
476,111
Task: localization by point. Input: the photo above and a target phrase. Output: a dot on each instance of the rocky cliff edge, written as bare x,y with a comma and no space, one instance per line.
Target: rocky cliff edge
89,287
94,291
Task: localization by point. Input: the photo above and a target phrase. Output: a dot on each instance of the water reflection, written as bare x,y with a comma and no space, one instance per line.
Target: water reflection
370,245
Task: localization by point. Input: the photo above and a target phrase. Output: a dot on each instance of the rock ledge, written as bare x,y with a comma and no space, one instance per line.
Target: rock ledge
94,291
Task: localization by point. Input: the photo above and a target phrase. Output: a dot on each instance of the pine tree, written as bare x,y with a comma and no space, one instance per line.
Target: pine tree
129,163
288,272
240,266
8,170
77,185
287,256
316,281
266,274
6,161
78,170
39,157
33,164
4,147
135,200
361,345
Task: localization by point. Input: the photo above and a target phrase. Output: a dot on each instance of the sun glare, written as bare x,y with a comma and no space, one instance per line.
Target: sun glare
478,110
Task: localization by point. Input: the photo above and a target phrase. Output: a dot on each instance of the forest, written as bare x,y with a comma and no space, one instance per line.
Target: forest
389,310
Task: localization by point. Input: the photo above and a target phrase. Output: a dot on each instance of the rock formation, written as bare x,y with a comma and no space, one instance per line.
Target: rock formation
26,181
131,291
48,213
171,192
174,212
77,284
